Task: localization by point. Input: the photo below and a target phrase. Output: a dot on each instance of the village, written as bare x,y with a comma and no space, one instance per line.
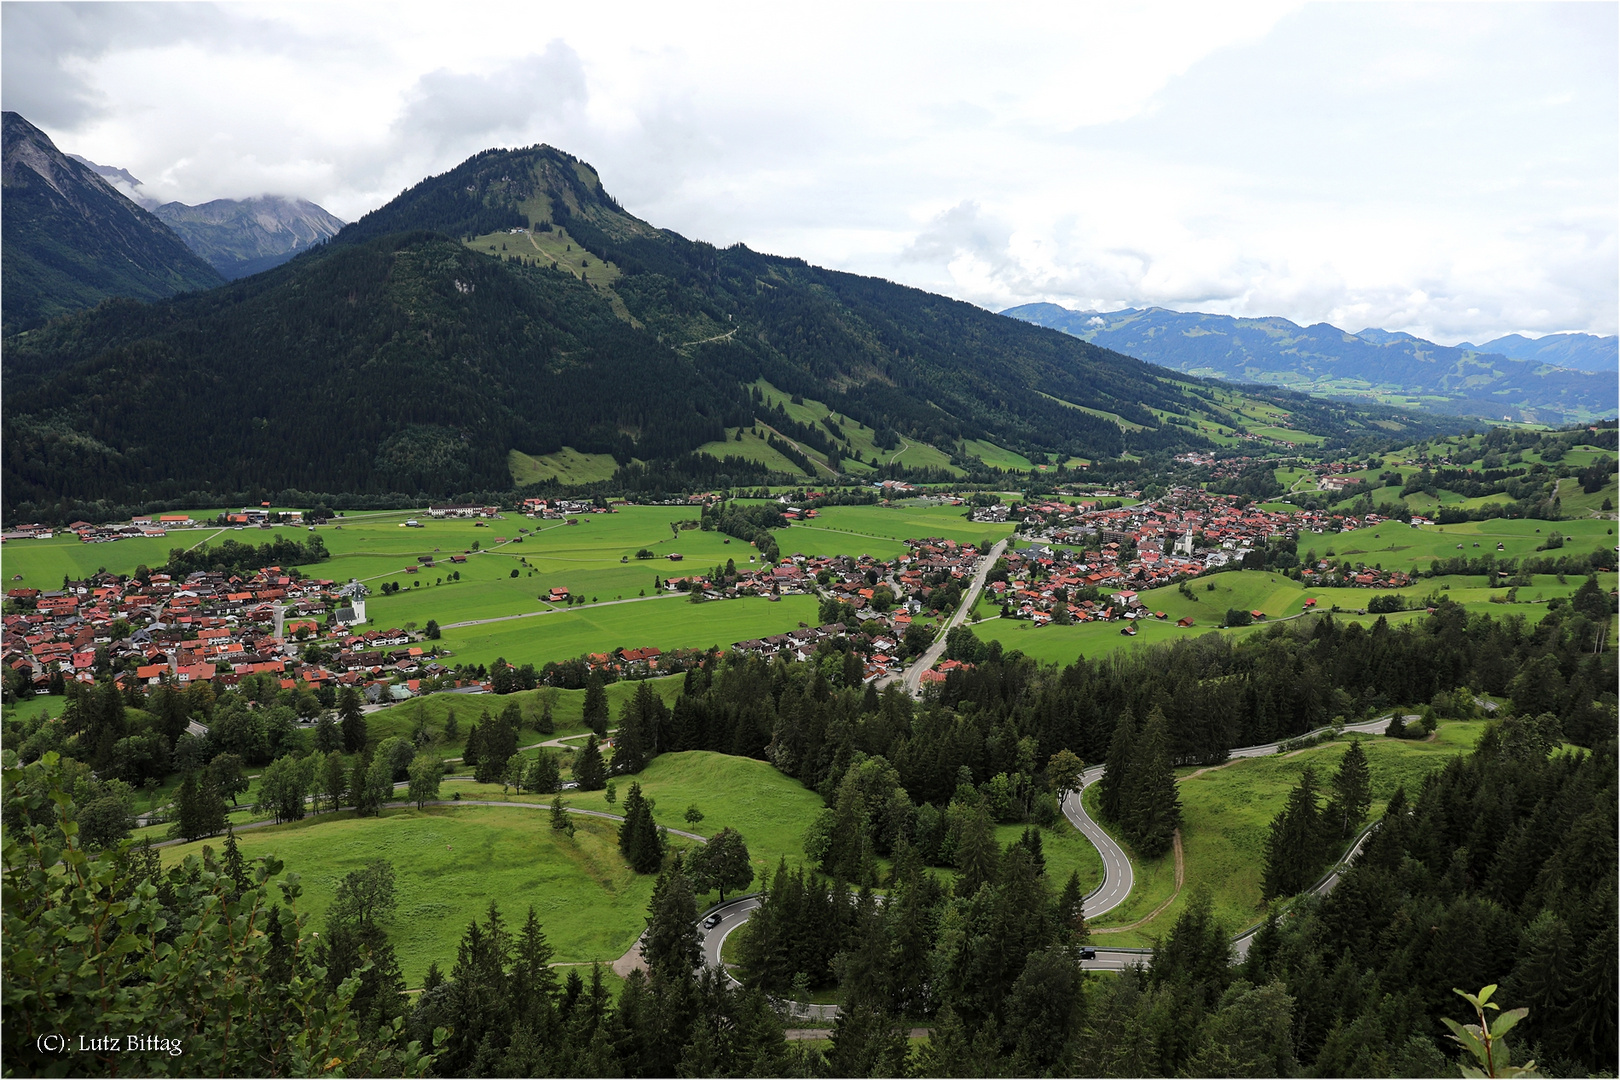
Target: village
1079,557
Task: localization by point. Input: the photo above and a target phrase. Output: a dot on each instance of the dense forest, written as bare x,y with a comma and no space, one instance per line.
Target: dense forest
1500,869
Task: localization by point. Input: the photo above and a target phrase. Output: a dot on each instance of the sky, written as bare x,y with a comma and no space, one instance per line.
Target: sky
1450,170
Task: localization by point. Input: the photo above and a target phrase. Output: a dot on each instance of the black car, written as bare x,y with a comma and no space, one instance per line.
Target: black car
1088,953
712,921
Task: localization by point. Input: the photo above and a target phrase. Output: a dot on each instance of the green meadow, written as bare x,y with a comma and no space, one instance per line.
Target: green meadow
451,862
1226,816
666,623
880,531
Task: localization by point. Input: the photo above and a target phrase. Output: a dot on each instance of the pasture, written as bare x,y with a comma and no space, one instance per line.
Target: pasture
450,862
1226,817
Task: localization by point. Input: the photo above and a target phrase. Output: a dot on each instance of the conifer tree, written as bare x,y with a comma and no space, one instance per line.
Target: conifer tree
1151,806
334,780
596,705
1071,912
976,853
589,772
533,981
353,721
187,819
639,839
1351,796
1294,845
672,947
559,816
1121,755
235,866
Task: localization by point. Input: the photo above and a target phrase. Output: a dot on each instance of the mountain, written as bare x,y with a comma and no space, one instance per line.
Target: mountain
119,178
1588,352
1379,365
71,240
511,304
239,237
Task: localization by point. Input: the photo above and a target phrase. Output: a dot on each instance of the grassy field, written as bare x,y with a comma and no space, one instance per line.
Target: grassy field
753,447
770,810
451,862
1227,811
568,465
879,530
997,457
671,623
567,712
518,560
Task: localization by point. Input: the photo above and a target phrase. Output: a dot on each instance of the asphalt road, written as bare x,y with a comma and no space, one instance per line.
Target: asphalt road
1118,879
912,676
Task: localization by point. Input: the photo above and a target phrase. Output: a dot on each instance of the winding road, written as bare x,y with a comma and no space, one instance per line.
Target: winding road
1118,879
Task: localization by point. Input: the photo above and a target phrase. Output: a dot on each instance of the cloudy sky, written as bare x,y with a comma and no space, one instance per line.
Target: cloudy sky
1449,170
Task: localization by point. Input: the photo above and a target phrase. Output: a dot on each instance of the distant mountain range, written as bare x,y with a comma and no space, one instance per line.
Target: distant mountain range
71,240
1587,352
1516,380
237,237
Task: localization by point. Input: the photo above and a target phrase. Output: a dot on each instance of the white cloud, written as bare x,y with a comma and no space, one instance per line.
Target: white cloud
1444,169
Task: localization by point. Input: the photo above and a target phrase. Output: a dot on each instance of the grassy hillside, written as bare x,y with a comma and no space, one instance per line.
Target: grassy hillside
450,863
566,466
1227,812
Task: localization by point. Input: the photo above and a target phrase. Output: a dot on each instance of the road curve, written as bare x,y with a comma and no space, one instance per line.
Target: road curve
1118,876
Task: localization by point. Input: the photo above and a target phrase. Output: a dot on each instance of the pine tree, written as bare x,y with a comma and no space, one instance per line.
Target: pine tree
533,981
235,866
334,781
596,705
353,721
639,839
589,772
976,853
1294,845
1151,806
559,816
672,948
1121,754
210,807
187,818
1071,912
1352,793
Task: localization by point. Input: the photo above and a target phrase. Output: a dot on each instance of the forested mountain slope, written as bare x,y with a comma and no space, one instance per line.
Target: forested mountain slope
1323,359
512,304
71,240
